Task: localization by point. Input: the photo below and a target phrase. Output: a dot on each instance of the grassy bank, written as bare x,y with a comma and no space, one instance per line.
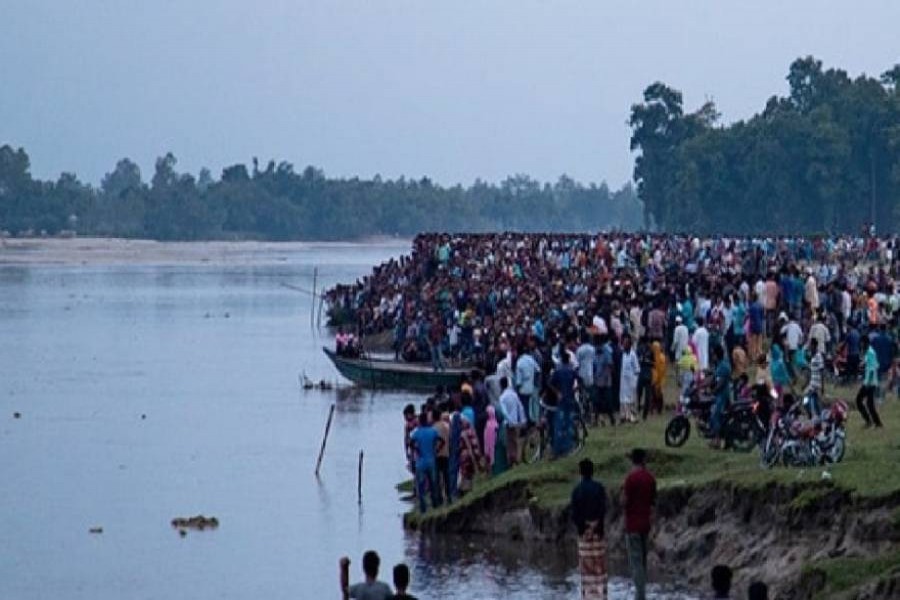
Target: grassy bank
868,473
869,468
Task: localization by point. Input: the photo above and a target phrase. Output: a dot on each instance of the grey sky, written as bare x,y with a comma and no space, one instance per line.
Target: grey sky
451,90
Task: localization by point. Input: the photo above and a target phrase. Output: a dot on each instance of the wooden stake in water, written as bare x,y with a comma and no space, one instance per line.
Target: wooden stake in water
319,315
312,309
359,479
324,439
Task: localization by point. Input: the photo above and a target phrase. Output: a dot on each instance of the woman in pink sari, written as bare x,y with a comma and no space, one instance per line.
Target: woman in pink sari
470,459
490,436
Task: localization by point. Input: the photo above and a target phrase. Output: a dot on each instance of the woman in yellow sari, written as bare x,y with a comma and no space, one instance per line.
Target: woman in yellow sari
687,368
659,375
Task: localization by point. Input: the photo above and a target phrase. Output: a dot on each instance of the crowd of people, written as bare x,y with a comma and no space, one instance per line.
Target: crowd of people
554,323
556,326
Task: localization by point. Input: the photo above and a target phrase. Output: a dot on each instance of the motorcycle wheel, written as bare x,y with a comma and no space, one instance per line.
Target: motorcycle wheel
793,455
769,453
838,448
740,432
678,431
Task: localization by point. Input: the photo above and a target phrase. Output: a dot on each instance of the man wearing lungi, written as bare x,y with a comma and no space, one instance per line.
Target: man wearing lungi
588,513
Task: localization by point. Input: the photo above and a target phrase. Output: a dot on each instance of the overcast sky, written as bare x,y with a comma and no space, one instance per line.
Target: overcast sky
450,90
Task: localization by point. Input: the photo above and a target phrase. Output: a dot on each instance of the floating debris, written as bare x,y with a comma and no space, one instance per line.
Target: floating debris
309,384
199,522
95,530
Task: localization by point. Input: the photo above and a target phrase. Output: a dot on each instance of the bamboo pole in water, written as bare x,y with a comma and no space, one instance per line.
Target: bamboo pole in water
319,317
359,479
312,309
324,439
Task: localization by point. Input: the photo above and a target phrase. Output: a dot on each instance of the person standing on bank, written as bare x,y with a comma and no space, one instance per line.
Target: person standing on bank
638,499
514,419
588,514
865,398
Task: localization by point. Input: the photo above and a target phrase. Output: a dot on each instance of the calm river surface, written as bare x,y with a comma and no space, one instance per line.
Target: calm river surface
152,391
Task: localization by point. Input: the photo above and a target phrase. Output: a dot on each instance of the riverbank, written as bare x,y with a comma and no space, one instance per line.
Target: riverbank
806,536
121,251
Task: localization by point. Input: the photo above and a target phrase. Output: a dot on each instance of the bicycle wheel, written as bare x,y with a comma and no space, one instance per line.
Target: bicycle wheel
533,446
579,435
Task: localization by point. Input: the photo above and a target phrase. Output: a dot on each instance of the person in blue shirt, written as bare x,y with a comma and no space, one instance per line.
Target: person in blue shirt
884,349
687,313
865,398
563,383
722,392
853,340
538,329
426,443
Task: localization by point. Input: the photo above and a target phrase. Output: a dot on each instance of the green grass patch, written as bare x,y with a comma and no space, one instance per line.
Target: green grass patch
848,573
809,497
868,470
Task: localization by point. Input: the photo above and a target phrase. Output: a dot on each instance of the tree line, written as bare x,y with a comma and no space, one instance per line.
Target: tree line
824,158
277,203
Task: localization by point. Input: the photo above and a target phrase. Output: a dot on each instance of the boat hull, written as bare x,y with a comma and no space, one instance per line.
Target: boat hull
389,375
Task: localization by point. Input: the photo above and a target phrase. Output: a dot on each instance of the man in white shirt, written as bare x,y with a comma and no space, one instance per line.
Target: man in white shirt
515,421
811,294
600,324
793,334
526,369
846,307
760,289
505,368
819,331
680,338
701,341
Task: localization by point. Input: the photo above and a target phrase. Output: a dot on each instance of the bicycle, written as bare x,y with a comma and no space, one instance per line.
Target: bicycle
538,440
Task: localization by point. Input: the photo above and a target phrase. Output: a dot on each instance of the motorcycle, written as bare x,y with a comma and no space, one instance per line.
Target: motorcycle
798,442
740,429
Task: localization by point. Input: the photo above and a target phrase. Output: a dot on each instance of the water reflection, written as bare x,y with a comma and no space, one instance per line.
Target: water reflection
228,432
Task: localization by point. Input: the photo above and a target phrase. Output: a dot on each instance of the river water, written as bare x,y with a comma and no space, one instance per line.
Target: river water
153,391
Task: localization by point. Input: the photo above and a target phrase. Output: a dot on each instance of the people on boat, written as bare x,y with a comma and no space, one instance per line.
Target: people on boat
346,344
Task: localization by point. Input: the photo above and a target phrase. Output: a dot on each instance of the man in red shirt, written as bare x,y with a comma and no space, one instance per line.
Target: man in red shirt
638,498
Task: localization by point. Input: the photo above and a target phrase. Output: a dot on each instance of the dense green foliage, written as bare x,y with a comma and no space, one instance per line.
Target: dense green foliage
279,204
817,160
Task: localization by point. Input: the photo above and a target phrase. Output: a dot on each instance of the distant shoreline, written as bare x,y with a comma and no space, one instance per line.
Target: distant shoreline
123,251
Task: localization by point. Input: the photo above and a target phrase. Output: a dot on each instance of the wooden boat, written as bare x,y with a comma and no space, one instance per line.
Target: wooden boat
389,374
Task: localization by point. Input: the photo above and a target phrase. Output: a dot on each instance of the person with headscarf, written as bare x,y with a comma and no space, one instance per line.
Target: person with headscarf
470,458
687,369
778,369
